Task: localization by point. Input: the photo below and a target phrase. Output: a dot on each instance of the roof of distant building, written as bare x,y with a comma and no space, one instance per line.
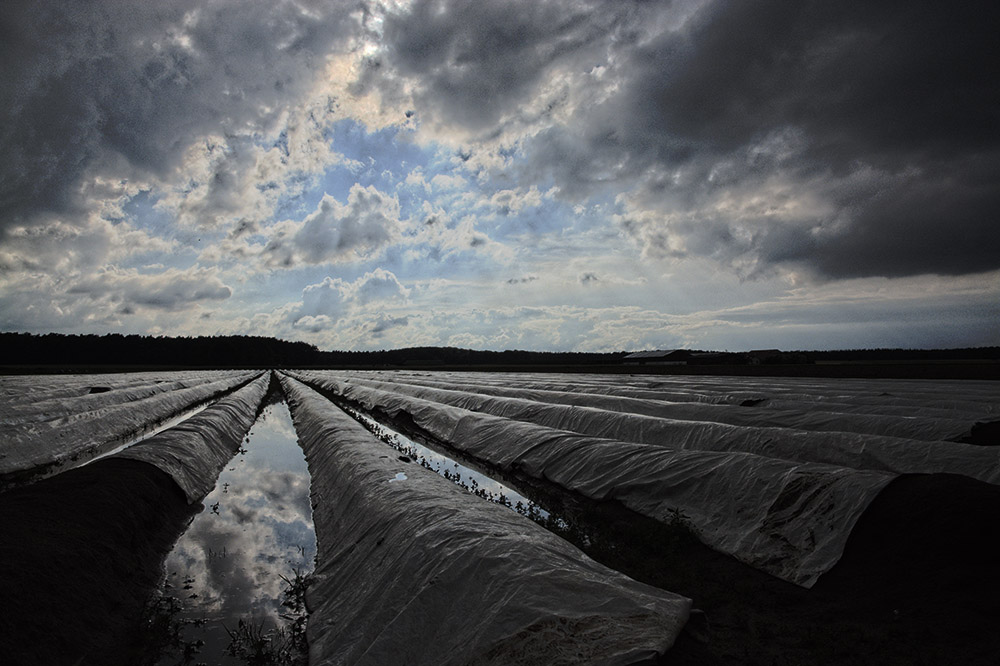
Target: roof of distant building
658,353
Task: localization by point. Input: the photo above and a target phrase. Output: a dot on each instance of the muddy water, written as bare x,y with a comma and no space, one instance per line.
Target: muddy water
230,572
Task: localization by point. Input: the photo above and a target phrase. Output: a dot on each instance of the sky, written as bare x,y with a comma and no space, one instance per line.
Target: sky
576,175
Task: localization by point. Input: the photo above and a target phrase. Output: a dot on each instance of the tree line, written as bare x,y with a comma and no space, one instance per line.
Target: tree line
26,350
244,351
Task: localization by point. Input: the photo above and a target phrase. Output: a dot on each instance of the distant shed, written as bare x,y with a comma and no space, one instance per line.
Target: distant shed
659,357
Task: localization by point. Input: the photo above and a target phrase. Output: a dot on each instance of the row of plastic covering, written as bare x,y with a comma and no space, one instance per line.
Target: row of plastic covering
411,570
65,420
83,549
41,398
894,455
925,422
959,399
194,452
791,518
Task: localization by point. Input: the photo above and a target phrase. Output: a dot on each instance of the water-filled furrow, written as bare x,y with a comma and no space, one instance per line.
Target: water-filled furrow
475,480
235,581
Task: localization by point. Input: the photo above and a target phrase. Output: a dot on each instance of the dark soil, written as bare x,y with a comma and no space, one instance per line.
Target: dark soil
82,552
918,584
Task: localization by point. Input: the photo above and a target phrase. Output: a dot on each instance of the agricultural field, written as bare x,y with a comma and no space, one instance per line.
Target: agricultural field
366,517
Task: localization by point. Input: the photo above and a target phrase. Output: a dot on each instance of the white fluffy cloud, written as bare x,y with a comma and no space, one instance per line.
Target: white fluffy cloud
337,232
328,302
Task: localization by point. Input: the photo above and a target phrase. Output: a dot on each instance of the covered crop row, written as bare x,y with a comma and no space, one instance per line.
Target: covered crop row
195,451
91,399
52,394
789,519
817,417
92,423
894,455
412,570
83,550
949,399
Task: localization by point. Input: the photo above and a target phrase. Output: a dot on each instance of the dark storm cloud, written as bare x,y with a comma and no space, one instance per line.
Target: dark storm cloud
477,60
901,88
886,111
104,84
940,222
875,80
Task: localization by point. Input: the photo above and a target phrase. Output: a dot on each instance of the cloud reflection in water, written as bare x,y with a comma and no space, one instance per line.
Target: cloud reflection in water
255,528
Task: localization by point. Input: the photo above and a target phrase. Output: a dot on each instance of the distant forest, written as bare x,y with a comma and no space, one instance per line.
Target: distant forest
239,351
116,350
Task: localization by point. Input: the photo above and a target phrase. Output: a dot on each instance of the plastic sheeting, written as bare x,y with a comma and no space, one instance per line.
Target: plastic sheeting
195,451
28,389
91,396
962,399
412,569
789,519
844,449
103,422
928,428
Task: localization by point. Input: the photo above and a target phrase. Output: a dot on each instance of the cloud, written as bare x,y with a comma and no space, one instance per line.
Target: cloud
875,124
441,241
378,286
511,202
171,289
476,62
337,232
326,299
385,323
448,182
127,89
326,303
314,324
59,247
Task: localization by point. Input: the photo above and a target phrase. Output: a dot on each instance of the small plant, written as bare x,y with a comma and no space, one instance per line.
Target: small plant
280,646
161,633
676,518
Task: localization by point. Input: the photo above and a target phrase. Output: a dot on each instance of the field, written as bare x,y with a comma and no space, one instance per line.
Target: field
475,517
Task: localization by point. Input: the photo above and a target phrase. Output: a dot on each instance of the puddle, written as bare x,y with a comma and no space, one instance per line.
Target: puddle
472,480
239,569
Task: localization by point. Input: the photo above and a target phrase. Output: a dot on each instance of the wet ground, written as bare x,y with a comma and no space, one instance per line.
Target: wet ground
917,585
232,577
